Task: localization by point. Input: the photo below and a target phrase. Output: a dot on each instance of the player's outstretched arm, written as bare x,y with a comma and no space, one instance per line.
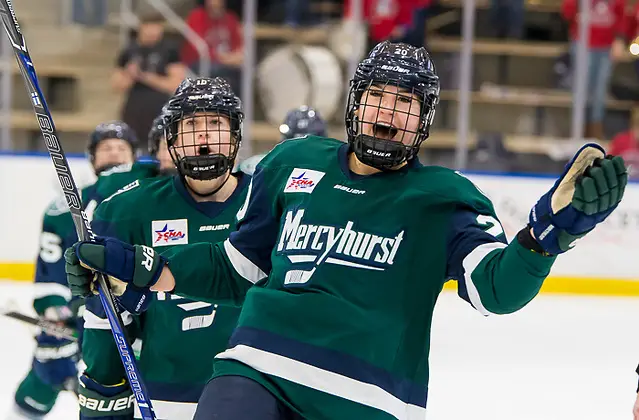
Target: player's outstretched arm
496,277
220,273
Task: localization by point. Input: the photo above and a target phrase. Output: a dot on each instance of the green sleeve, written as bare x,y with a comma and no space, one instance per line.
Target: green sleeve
223,272
204,272
494,276
509,277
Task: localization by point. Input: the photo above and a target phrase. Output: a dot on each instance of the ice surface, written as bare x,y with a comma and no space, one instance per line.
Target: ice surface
560,358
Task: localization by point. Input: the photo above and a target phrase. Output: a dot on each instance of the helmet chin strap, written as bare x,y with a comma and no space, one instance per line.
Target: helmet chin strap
208,194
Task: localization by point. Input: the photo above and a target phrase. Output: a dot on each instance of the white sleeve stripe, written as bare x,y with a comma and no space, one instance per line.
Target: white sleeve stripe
92,321
42,290
242,265
472,260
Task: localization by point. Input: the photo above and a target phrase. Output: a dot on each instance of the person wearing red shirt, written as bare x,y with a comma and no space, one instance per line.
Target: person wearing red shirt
626,144
606,22
628,34
222,32
386,19
417,33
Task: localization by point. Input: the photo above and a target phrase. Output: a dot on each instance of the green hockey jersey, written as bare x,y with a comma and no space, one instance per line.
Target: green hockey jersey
346,271
179,336
58,232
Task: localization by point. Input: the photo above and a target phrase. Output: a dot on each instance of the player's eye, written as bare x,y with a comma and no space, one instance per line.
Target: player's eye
214,121
375,93
404,99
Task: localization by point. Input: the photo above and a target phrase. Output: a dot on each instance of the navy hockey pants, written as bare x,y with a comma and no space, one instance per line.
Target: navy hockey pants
237,397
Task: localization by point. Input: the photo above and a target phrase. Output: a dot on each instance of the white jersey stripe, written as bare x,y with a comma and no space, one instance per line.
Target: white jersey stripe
324,380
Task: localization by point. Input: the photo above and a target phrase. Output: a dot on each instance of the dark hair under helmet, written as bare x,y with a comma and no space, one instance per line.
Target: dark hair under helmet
203,95
409,71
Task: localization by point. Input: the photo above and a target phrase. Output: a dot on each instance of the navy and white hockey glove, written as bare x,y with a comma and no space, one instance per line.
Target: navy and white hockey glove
590,188
55,359
131,269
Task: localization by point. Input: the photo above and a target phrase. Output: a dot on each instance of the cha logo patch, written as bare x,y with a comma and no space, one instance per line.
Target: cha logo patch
170,232
303,180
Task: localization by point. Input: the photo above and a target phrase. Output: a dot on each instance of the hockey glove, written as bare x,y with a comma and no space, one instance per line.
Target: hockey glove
55,359
101,402
131,270
590,188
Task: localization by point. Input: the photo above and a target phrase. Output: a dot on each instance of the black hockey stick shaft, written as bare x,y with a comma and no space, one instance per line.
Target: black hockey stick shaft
82,224
49,327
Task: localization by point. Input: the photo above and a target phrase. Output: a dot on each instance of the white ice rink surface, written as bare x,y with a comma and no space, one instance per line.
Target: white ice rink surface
560,358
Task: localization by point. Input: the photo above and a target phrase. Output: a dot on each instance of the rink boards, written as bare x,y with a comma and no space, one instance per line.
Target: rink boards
606,262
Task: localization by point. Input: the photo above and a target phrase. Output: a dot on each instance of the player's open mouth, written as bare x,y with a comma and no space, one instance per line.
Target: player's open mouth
384,131
203,150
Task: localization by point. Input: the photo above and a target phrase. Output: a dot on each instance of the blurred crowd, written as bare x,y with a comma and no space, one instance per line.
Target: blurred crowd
151,67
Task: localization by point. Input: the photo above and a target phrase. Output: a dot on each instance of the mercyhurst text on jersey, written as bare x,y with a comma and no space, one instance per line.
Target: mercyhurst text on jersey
339,274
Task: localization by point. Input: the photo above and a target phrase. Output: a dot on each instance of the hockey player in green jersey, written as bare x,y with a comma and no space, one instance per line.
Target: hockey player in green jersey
299,122
53,367
342,249
179,336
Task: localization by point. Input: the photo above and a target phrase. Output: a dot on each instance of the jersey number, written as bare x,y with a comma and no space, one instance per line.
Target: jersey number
50,247
490,225
197,321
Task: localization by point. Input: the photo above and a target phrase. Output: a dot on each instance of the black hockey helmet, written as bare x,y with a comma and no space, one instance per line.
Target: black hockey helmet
111,130
401,70
209,158
156,133
302,121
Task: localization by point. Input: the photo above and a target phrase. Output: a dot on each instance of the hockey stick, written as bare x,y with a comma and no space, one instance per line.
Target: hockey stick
82,225
50,327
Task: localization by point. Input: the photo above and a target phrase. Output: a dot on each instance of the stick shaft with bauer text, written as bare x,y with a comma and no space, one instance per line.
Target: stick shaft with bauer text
82,225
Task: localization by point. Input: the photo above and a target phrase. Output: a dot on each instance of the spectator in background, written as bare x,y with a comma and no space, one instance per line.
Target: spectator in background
386,19
606,22
626,144
628,34
417,32
97,12
295,9
508,18
148,72
222,32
